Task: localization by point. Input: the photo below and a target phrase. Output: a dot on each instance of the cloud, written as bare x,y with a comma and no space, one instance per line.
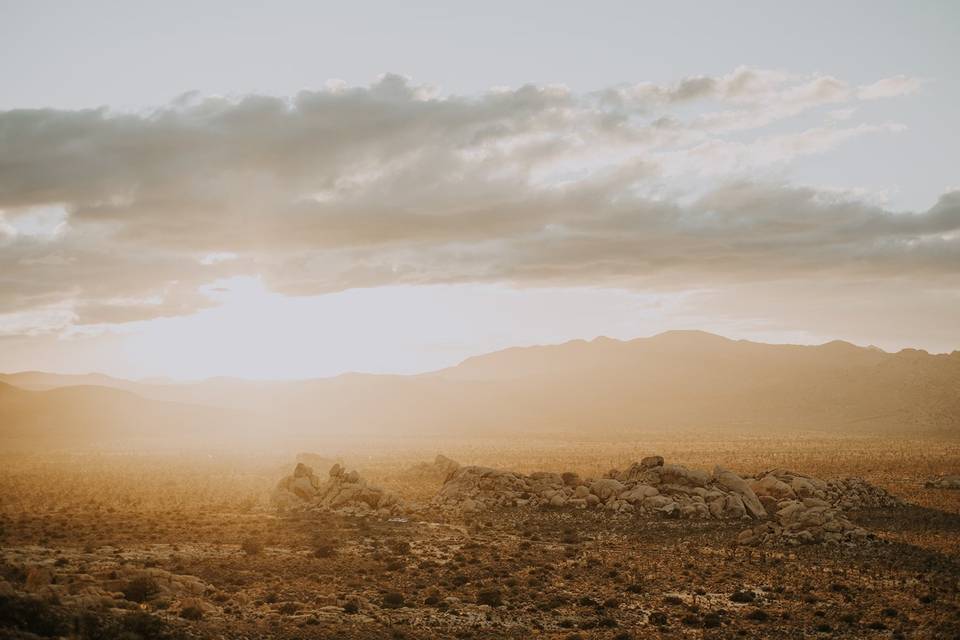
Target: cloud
120,217
889,88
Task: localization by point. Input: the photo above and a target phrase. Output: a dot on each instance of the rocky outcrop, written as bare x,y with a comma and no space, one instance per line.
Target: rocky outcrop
943,482
808,510
805,521
795,508
844,493
649,486
734,483
344,492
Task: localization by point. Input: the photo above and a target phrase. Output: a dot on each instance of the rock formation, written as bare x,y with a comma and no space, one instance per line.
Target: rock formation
806,521
808,510
844,493
795,508
943,482
344,492
649,486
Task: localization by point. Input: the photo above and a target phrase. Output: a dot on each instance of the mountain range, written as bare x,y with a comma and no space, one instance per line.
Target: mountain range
603,388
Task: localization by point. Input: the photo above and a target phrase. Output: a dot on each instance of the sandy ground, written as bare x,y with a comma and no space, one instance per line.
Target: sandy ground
125,546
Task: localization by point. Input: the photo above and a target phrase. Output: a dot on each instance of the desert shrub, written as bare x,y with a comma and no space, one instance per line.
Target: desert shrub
32,615
251,546
551,603
659,618
13,573
324,550
289,608
145,625
490,596
191,612
93,625
140,589
758,615
393,600
351,607
743,596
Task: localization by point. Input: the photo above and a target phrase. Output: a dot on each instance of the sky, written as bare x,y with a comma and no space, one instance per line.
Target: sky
299,189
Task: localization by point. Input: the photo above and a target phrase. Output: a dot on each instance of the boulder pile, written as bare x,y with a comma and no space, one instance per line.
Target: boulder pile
795,508
649,486
943,482
773,487
343,492
808,510
806,521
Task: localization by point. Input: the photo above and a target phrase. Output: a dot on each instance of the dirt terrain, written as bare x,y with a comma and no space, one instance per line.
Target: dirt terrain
129,547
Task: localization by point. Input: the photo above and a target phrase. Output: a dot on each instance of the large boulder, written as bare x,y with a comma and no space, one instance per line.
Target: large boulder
732,482
943,482
771,486
680,475
651,461
638,492
606,488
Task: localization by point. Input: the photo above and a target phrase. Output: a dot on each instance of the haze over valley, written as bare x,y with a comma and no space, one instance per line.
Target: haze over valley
479,320
675,381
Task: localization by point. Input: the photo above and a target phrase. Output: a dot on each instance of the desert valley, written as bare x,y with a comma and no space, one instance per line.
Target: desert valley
731,489
450,319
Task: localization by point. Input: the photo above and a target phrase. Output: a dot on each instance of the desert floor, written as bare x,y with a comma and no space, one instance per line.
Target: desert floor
173,545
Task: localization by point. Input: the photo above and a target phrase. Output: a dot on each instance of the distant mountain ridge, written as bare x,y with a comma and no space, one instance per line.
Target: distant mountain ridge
81,416
579,389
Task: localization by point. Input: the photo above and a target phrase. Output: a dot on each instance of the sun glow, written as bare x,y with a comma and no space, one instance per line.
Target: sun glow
255,333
